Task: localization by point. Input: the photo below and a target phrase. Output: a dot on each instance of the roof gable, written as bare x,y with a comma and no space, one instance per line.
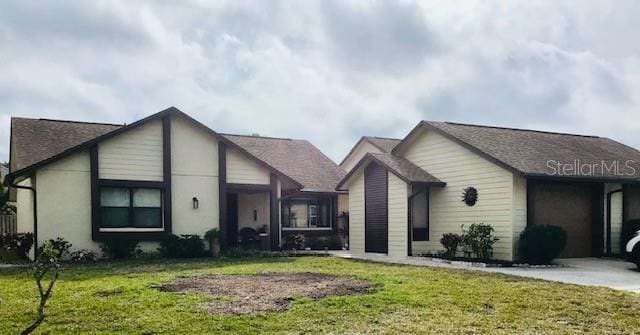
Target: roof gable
527,152
385,145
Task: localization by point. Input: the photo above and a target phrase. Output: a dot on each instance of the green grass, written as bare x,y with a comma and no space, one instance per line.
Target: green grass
110,298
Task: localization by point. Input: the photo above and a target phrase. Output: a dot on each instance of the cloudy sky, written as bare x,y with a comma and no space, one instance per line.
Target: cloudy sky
327,71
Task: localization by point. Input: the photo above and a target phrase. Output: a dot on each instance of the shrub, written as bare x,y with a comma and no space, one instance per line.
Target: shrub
212,233
61,245
84,256
450,242
293,242
332,242
540,244
120,248
239,252
15,246
479,239
183,246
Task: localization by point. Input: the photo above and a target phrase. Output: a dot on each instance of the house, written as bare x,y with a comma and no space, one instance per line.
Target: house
402,202
166,174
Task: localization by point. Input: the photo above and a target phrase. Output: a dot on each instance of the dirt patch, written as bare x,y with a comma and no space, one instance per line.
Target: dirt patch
266,292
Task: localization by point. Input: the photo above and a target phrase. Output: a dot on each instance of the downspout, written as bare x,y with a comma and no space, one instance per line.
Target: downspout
35,210
608,227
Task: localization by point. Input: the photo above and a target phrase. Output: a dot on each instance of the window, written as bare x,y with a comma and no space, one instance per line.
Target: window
420,216
123,207
306,213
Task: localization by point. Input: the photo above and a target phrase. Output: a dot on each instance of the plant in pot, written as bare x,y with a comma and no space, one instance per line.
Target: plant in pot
213,236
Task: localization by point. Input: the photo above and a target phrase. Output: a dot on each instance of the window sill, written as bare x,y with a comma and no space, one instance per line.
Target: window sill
130,230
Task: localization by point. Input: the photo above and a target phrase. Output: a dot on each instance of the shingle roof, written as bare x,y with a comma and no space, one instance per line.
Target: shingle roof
298,159
405,169
384,144
34,140
528,151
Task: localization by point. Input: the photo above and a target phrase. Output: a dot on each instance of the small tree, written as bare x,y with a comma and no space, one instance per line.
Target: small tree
47,262
450,242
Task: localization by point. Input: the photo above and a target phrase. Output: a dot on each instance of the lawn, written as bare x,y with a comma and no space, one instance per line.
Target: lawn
116,298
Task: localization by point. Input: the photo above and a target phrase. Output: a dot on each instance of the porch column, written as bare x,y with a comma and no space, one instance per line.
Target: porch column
274,226
222,192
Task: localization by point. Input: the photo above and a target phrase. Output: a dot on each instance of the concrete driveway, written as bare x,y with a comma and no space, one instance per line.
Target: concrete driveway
612,273
615,274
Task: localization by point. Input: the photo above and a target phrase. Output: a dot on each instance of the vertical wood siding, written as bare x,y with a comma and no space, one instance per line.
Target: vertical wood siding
243,170
356,214
376,209
133,155
461,168
398,216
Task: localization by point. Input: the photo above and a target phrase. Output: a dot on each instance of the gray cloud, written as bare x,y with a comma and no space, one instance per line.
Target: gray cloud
325,71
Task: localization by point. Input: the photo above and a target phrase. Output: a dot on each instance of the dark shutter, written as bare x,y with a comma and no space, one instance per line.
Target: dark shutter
376,211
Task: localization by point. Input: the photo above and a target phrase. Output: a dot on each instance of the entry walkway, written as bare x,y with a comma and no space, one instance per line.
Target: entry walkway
611,273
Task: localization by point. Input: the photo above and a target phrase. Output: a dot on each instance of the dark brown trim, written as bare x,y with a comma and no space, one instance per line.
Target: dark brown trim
131,183
410,225
166,172
376,189
222,192
334,213
95,193
274,226
597,241
569,179
531,216
625,206
248,187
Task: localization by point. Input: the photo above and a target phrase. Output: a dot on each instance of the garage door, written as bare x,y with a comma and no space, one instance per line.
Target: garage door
572,207
376,212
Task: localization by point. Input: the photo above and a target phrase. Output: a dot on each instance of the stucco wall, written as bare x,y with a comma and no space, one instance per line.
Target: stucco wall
249,202
356,214
194,165
358,152
398,192
133,155
461,168
243,170
64,201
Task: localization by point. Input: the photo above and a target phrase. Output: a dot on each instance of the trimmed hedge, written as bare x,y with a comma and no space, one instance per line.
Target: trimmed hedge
182,246
541,244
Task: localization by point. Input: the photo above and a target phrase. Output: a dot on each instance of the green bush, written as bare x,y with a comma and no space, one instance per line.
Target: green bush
61,245
120,248
15,246
450,242
332,242
479,240
182,246
540,244
212,233
293,242
239,252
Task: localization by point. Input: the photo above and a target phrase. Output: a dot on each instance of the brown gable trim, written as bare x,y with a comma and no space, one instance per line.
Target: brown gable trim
371,158
169,111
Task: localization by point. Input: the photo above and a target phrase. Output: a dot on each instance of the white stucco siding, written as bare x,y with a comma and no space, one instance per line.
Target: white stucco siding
356,214
24,207
64,201
194,173
244,170
461,168
358,152
133,155
247,203
398,216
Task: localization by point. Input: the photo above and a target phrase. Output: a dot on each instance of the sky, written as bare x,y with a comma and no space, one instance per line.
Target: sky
325,71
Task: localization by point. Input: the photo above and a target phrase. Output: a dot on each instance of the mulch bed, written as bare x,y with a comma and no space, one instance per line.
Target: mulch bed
265,292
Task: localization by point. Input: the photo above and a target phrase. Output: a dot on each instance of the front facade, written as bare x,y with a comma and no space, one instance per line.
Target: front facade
408,215
166,174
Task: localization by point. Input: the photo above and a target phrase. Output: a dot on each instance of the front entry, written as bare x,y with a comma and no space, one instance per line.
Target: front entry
574,207
376,229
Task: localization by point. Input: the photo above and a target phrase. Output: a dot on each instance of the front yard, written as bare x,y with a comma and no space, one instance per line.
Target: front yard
123,297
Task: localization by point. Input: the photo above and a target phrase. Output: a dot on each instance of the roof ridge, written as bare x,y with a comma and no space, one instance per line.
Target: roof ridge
262,137
384,138
68,121
516,129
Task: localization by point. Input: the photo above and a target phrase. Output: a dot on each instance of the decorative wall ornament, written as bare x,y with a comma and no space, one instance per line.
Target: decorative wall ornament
470,196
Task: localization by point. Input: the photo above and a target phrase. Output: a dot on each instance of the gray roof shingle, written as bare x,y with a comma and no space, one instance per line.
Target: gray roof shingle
528,151
384,144
405,169
34,140
298,159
